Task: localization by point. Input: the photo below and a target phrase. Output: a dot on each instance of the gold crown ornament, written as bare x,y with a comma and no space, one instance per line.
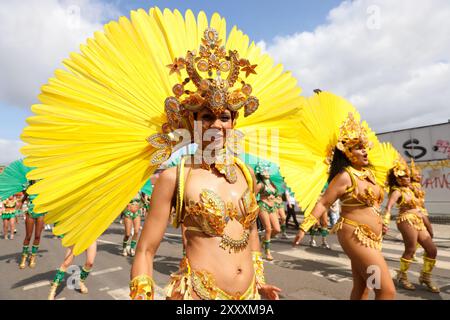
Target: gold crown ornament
213,91
351,134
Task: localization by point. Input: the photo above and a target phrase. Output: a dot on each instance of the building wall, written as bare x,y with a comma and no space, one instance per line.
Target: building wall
430,148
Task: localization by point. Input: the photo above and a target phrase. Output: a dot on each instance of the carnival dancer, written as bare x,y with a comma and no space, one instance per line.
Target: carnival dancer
33,221
268,209
412,225
132,221
339,146
128,100
8,217
91,252
13,182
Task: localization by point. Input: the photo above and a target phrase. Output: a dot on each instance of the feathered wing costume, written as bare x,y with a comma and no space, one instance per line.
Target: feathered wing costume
106,123
325,120
13,179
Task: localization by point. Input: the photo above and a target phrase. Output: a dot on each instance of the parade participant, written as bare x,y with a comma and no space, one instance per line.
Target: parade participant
84,273
132,220
339,146
268,210
412,226
13,182
129,101
279,204
8,217
290,200
33,221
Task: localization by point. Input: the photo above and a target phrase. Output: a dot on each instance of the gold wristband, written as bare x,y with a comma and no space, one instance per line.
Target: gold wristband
259,267
387,218
308,223
141,288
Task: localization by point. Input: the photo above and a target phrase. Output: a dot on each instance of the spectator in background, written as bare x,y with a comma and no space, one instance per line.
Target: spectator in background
334,213
290,201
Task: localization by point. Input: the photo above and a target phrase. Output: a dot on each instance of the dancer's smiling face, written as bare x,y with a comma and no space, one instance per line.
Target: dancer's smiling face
214,128
403,181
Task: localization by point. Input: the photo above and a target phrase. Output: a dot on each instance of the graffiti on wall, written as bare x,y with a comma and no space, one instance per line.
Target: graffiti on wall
436,175
413,149
442,146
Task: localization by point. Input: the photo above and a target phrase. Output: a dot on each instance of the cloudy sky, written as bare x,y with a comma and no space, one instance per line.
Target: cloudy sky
390,58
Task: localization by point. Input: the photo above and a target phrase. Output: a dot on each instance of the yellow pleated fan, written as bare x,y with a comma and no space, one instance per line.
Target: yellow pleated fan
87,139
320,120
382,158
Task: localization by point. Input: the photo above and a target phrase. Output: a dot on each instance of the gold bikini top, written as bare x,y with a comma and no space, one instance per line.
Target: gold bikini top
366,198
10,205
407,200
211,213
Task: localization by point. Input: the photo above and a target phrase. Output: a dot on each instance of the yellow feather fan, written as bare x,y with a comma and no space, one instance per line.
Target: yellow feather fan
320,120
88,137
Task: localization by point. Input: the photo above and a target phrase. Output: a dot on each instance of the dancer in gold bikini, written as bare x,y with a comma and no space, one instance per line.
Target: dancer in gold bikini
340,146
135,94
412,225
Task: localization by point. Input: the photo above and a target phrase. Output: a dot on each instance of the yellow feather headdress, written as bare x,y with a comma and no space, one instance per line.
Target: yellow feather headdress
100,129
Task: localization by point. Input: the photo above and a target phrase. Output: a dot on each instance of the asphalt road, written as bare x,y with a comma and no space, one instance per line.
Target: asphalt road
302,273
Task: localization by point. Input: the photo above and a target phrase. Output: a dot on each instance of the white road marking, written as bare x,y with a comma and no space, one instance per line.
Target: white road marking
124,293
400,247
344,261
36,285
103,289
63,298
106,241
95,273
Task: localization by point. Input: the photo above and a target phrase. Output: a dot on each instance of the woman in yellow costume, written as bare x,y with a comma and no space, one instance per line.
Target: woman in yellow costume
339,146
412,225
126,102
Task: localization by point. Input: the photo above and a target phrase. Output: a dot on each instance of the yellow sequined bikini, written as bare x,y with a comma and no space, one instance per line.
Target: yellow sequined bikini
406,203
211,214
367,198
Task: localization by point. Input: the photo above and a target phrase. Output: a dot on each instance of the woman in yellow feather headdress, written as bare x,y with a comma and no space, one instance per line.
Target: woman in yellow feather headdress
413,224
339,147
120,110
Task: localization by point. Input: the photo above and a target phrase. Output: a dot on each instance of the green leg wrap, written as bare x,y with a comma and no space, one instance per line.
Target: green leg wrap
283,228
84,274
266,244
133,244
124,244
313,231
59,276
324,232
25,250
34,250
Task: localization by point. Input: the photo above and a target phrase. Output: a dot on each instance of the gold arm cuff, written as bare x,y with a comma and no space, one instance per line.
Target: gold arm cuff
387,218
259,267
141,288
308,223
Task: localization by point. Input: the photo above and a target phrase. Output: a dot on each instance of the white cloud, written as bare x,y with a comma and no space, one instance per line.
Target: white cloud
36,35
389,58
10,151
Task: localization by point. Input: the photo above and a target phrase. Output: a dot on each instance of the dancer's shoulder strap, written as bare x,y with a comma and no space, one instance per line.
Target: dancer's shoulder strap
178,218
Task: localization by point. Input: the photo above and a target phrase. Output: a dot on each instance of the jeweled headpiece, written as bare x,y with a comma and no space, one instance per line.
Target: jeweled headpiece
213,91
351,134
400,168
